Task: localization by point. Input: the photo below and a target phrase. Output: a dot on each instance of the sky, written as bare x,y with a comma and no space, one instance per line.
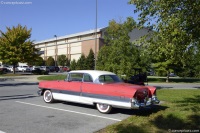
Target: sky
47,18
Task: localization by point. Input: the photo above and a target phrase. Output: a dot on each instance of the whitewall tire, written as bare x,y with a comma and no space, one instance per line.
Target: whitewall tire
104,108
48,97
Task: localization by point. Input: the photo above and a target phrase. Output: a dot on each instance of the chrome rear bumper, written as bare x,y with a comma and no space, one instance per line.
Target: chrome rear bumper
151,101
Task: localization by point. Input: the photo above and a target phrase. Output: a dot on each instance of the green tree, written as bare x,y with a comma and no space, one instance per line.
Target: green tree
62,60
144,57
50,61
38,62
191,67
119,55
73,65
196,64
90,60
184,14
81,63
16,46
68,62
176,25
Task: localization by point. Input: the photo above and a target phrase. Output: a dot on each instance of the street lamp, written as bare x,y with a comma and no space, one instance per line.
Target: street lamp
95,51
56,50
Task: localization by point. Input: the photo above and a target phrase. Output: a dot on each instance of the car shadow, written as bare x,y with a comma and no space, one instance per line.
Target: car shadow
78,105
162,87
11,97
197,87
139,112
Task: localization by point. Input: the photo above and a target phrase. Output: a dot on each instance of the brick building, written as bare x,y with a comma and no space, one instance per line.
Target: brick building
80,43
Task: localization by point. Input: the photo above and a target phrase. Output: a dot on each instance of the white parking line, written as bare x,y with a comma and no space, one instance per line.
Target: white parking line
68,111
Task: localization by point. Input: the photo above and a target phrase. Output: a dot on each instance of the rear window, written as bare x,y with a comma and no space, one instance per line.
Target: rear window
109,79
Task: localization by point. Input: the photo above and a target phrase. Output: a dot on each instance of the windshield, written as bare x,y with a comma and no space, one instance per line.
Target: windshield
109,79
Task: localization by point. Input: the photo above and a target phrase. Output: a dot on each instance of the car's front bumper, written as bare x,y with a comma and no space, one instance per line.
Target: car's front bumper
39,92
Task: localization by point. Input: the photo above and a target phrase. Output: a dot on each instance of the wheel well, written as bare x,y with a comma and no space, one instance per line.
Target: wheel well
43,90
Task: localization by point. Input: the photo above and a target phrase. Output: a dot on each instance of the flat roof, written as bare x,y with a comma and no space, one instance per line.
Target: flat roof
71,35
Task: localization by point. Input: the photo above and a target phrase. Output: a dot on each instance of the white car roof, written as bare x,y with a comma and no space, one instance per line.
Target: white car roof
94,73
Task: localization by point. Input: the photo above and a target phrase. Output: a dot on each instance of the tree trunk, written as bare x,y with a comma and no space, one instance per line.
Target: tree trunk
167,79
13,68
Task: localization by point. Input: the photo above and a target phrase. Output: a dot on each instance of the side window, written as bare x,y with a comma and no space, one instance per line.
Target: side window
87,78
105,79
76,77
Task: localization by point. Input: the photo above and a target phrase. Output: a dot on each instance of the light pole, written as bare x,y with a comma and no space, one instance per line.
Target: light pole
95,46
56,50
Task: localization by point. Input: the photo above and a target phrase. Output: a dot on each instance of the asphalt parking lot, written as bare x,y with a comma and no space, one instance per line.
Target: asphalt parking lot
23,111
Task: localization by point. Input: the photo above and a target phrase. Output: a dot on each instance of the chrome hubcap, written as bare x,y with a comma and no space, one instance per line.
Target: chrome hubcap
48,96
103,106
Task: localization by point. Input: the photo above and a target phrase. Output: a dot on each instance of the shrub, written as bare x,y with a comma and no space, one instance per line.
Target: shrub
3,71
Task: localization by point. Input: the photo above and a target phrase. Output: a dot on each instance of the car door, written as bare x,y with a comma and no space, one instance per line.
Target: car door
70,89
86,96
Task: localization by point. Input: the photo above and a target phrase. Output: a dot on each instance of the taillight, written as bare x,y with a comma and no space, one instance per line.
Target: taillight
141,94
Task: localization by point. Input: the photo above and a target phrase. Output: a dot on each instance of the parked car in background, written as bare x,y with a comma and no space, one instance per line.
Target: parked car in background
51,68
65,69
45,68
172,75
57,69
10,68
100,88
3,70
35,67
23,69
54,69
138,78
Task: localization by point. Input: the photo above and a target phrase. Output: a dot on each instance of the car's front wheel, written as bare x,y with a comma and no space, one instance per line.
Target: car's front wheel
104,108
48,97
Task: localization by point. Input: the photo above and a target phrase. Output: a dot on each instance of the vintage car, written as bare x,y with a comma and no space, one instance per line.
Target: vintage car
100,88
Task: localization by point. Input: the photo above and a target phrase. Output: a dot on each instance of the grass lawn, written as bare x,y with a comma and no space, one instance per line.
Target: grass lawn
173,79
180,110
52,77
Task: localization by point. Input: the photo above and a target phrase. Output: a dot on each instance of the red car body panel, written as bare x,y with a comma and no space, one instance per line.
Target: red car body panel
110,89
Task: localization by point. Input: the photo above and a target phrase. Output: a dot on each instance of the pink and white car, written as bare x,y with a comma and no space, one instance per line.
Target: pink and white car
100,88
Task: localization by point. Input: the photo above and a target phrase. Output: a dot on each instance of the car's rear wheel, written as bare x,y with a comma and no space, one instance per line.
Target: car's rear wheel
104,108
48,97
